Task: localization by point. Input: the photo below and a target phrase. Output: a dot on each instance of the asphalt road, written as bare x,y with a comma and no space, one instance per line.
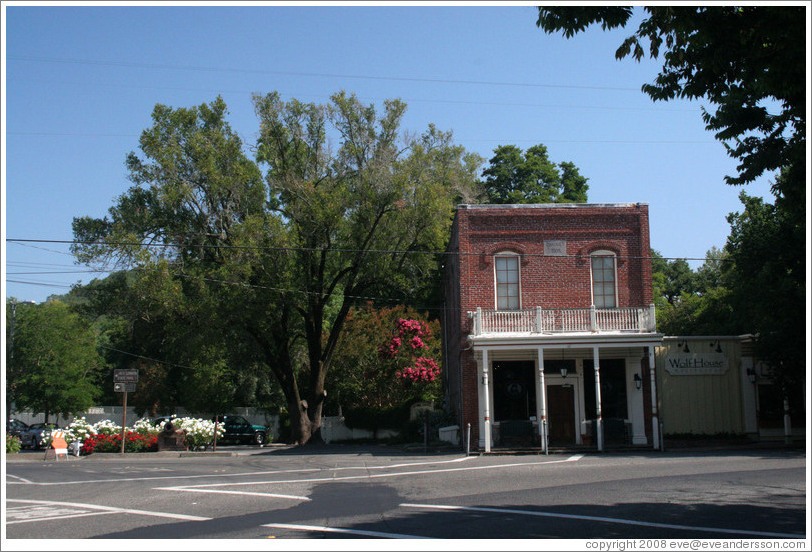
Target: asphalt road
345,492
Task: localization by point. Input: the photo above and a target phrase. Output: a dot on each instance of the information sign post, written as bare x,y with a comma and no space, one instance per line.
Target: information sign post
124,382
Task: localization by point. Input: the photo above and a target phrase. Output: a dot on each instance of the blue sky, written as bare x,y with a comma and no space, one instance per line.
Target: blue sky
81,82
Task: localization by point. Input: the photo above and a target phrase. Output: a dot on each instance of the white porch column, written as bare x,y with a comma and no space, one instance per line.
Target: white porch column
655,422
598,415
486,408
542,394
635,402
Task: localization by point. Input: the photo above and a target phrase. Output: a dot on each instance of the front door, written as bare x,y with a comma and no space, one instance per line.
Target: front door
561,414
514,402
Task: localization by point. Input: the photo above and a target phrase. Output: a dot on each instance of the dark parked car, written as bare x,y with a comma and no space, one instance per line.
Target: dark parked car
240,430
158,421
15,427
37,435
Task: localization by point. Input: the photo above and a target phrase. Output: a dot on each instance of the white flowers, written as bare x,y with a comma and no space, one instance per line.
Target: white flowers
79,429
199,432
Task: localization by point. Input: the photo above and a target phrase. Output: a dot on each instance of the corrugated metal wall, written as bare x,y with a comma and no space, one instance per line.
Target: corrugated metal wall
706,404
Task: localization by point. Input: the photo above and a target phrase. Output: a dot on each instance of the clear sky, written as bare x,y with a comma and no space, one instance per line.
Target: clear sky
80,83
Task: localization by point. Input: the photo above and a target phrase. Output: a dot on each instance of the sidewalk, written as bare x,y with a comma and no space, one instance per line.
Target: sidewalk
228,451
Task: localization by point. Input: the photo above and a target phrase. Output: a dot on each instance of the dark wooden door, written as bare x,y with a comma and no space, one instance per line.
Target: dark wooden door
561,414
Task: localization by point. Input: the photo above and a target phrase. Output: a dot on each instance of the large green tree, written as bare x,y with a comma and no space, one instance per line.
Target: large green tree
748,61
56,364
271,266
514,176
768,282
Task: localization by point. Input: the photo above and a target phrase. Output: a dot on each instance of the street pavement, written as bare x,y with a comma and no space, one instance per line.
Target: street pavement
350,492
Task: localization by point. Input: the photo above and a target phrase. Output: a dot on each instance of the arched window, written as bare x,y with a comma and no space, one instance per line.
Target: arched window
506,267
604,279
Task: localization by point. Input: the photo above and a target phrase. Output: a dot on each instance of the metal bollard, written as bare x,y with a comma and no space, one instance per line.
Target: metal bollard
468,441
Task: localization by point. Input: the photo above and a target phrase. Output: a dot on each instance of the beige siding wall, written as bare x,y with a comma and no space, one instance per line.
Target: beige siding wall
701,403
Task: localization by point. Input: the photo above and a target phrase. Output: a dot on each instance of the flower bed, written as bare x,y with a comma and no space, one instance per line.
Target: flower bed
105,436
133,442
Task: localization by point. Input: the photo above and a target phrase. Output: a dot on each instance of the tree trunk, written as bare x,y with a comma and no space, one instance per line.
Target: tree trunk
300,426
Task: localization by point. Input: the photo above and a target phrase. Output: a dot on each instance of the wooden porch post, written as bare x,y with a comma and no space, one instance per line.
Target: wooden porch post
542,403
598,415
655,422
487,400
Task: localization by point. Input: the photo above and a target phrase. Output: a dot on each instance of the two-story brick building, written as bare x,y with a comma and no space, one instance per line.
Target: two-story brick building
550,333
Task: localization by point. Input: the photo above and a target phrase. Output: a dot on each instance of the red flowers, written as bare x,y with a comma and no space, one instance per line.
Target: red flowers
411,331
423,370
133,442
407,330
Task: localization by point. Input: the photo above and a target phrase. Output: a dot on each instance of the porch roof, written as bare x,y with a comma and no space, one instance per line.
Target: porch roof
580,340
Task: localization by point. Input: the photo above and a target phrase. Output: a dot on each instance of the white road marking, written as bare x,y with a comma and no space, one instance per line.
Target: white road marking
27,514
323,529
247,493
605,520
22,479
270,472
111,509
573,458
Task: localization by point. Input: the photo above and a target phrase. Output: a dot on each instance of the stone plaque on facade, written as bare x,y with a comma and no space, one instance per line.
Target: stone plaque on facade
696,364
555,248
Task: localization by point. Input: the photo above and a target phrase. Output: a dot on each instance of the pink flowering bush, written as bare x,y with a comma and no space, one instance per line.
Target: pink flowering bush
423,370
387,357
412,369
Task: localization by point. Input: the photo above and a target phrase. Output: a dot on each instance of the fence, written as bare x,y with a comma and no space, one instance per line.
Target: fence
116,413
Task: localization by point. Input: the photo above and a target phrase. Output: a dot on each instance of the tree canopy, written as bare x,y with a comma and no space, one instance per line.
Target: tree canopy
514,176
270,266
749,61
56,365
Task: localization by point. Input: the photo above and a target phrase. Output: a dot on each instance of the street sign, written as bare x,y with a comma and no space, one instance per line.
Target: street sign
124,387
125,376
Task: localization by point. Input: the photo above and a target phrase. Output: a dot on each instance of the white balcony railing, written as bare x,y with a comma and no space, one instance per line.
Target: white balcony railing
538,320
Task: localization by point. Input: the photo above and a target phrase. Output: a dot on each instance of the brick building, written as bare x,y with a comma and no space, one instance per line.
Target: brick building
550,334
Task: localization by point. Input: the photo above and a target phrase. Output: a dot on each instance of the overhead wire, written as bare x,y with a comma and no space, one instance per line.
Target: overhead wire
141,65
337,250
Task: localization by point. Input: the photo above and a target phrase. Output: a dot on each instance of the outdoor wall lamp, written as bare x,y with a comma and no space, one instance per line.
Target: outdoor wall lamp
684,345
751,375
638,382
718,346
563,372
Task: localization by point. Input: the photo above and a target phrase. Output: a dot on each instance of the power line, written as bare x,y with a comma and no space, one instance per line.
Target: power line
407,100
492,140
338,250
141,65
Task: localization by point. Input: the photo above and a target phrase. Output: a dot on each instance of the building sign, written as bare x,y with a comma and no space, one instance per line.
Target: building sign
555,248
125,376
124,387
696,364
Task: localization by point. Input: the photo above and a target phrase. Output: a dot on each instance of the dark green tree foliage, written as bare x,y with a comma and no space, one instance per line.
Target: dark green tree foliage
672,278
742,59
514,176
56,364
767,279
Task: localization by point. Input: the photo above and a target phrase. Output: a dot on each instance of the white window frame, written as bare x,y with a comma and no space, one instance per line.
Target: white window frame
508,255
603,253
